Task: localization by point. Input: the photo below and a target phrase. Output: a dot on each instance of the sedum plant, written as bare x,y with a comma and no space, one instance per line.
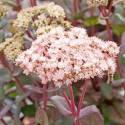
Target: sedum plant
62,66
64,57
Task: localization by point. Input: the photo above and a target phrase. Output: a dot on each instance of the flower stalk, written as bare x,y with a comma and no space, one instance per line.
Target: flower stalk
72,99
75,6
71,102
33,3
108,25
82,97
45,96
18,7
3,122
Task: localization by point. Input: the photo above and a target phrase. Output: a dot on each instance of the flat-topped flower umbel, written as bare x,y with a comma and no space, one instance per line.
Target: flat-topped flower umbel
63,57
42,18
13,46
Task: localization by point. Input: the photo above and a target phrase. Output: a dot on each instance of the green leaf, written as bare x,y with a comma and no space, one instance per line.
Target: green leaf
122,60
5,76
76,93
78,15
1,93
29,110
106,112
106,90
13,95
116,76
9,85
118,29
91,21
25,79
121,17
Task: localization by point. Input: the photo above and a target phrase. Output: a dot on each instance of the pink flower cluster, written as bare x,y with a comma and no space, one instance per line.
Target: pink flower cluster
63,57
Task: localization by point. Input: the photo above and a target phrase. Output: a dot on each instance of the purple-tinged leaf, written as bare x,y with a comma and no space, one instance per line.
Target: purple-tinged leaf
61,105
12,15
117,83
91,111
5,76
4,111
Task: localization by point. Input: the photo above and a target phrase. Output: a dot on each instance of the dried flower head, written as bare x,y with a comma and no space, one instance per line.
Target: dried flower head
3,10
97,2
62,56
12,46
41,18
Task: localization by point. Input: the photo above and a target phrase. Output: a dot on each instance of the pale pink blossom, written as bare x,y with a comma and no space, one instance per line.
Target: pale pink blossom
64,57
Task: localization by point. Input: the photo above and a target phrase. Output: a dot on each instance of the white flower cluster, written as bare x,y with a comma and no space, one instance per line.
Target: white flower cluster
44,16
63,57
97,2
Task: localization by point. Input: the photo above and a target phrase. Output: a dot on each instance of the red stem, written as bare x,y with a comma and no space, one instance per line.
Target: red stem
119,40
108,25
19,7
30,35
33,3
76,122
67,99
75,6
109,31
18,2
6,65
72,99
4,123
110,5
82,96
72,105
45,96
119,69
93,30
19,84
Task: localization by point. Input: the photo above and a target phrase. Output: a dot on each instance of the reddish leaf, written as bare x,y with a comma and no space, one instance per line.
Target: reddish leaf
61,105
94,113
4,111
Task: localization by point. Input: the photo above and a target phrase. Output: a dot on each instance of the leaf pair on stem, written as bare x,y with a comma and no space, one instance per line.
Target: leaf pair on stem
67,106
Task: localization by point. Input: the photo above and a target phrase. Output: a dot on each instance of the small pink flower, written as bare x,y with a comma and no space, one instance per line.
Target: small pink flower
63,57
